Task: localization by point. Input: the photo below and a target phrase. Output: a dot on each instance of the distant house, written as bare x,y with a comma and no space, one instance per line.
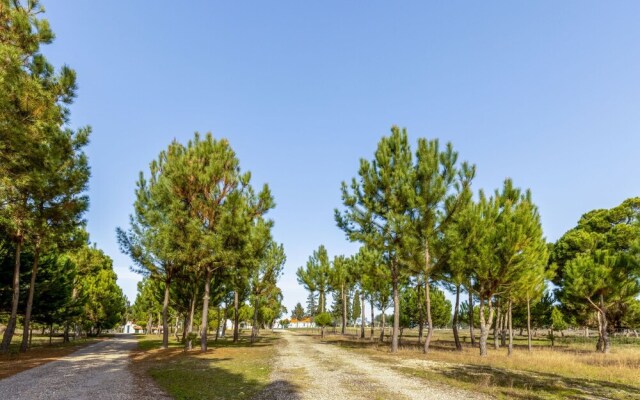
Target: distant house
302,323
130,327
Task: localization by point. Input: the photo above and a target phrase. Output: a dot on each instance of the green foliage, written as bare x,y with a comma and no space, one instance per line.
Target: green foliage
356,309
323,319
298,312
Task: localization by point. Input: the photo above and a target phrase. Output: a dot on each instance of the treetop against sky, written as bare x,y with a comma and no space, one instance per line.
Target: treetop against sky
544,93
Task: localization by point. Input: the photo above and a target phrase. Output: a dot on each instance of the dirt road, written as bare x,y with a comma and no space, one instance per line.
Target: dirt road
307,369
99,371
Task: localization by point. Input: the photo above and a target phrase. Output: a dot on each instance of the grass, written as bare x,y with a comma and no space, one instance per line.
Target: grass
571,369
227,371
41,352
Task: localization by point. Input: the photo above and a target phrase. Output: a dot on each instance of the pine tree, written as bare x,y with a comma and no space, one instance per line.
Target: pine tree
42,168
315,277
377,208
441,191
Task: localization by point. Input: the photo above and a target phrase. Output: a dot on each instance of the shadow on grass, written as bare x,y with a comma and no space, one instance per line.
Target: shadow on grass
539,384
193,380
155,342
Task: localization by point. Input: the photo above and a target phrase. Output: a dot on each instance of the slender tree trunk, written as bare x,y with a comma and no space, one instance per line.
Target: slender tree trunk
65,339
529,324
427,295
604,341
165,319
50,332
224,318
184,327
27,315
322,332
382,326
188,327
236,317
503,328
396,309
343,296
363,315
456,336
485,326
254,328
471,319
496,328
221,323
205,311
11,325
420,312
510,323
150,324
373,316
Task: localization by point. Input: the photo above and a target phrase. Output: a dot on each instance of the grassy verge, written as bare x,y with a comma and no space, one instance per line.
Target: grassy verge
568,371
227,371
41,352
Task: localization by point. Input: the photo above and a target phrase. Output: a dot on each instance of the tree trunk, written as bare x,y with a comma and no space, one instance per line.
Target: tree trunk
236,317
363,315
11,325
188,325
604,342
254,327
396,309
373,316
65,339
456,336
150,324
496,327
529,345
343,296
27,315
224,317
205,311
504,324
485,326
420,311
427,295
220,324
322,332
165,321
510,323
471,333
382,326
50,332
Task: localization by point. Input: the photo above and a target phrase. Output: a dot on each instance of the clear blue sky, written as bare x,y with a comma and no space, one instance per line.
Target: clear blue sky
547,93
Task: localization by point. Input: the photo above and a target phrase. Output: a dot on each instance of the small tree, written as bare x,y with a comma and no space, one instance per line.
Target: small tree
322,320
298,312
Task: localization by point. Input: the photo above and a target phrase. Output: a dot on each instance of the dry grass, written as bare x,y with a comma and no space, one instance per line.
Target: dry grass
565,371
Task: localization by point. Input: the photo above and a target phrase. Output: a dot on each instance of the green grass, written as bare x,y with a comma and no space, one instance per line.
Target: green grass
227,371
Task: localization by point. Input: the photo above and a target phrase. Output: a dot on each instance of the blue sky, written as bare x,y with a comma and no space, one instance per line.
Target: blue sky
545,92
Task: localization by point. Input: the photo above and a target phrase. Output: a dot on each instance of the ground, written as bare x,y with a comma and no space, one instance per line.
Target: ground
298,365
98,371
308,369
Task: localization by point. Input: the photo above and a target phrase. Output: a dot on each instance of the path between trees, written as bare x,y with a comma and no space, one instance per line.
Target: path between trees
307,369
98,371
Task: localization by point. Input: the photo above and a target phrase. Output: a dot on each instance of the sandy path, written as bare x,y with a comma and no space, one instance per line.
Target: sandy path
307,369
98,371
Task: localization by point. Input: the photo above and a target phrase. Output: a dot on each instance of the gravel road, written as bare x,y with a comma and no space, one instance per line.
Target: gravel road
99,371
307,369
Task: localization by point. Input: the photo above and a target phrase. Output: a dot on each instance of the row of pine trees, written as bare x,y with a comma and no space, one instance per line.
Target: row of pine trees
49,274
422,228
200,236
